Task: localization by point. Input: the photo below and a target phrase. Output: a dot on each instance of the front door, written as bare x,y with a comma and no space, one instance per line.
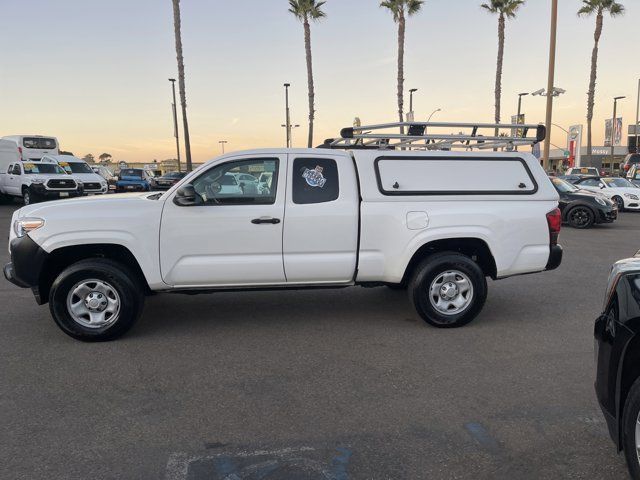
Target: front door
233,234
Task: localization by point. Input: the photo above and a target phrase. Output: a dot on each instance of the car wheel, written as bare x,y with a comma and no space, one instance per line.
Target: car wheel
96,300
631,430
581,217
29,198
619,202
448,290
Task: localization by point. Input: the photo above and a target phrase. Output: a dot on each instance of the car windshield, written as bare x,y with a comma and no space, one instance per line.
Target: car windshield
174,175
618,183
131,172
39,143
563,186
79,167
50,168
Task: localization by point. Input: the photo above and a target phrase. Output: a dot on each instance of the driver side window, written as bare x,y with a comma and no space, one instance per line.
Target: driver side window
16,169
243,182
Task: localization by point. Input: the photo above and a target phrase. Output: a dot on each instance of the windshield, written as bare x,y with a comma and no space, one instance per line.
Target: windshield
563,186
39,143
77,167
43,168
131,172
617,183
174,175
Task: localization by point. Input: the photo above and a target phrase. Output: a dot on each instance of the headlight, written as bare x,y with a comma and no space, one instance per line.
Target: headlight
36,181
601,201
631,196
26,225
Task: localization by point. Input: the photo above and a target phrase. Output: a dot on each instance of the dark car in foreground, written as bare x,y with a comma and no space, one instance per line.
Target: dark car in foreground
133,180
617,345
166,181
582,208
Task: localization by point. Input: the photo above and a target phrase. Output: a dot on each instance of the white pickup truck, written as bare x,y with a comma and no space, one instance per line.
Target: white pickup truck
437,223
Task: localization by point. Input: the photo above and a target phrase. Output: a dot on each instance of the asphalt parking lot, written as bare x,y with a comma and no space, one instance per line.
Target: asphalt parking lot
339,385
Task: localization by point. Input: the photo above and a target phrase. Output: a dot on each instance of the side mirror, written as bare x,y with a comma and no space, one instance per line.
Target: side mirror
185,196
601,186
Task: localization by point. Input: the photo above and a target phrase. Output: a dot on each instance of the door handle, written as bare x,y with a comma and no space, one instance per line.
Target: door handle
258,221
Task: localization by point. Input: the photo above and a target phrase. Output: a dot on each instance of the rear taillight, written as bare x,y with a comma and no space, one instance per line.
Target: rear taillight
627,167
554,221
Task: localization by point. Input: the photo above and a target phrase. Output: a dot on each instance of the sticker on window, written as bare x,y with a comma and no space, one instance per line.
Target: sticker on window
314,178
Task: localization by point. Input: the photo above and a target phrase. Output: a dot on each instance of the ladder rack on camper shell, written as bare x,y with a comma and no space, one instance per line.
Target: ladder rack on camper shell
421,136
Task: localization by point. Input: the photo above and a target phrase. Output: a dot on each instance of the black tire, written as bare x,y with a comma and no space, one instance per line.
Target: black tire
115,275
29,198
620,202
581,217
629,419
432,269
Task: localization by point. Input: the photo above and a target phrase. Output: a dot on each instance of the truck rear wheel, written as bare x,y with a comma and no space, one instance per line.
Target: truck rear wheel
96,300
448,290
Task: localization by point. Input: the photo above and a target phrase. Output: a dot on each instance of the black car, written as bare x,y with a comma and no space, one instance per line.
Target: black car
582,208
617,343
168,180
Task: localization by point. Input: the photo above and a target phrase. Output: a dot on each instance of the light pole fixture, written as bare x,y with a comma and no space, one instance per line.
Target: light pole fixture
433,113
613,129
287,114
291,127
174,107
561,128
411,92
222,143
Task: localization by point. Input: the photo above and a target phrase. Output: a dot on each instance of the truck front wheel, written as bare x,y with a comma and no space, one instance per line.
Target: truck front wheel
96,300
448,290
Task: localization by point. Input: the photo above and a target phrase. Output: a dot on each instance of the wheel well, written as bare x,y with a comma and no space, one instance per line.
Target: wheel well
630,373
61,258
474,248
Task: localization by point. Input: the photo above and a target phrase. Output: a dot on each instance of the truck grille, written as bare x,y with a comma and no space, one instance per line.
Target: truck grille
61,184
92,186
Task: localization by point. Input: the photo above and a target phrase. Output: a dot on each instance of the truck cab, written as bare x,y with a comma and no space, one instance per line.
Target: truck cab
38,181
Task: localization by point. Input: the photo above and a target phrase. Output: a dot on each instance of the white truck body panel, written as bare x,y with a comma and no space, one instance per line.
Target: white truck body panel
33,154
363,235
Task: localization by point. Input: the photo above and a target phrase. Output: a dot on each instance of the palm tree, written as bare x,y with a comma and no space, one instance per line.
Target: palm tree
505,9
599,7
306,10
400,10
183,96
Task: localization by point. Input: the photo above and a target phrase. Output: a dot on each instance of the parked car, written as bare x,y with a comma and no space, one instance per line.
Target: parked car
583,171
92,183
617,345
133,180
105,173
631,160
583,208
330,218
620,190
166,181
633,175
37,181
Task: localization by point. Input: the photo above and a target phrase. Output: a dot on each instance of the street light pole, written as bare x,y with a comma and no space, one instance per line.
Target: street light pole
635,130
433,113
411,92
550,82
613,129
222,143
175,120
520,95
288,117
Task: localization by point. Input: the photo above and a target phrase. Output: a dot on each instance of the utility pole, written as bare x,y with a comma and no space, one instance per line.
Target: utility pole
520,95
550,82
635,129
222,143
613,130
411,117
175,120
288,116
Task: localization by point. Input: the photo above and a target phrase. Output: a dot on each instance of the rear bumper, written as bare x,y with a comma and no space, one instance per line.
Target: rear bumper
555,257
132,187
43,192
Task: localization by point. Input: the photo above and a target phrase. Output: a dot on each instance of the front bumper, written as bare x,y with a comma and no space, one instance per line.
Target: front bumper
26,264
555,257
607,215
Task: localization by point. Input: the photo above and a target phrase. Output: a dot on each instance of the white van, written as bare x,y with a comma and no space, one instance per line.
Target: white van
34,147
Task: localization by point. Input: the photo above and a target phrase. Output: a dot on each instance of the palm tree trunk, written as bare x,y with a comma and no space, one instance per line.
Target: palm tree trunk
592,81
183,96
307,47
498,89
401,34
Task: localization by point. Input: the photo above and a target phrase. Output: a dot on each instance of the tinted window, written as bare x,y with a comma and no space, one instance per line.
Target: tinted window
39,143
77,167
218,185
563,186
16,169
315,180
43,168
131,172
590,182
10,169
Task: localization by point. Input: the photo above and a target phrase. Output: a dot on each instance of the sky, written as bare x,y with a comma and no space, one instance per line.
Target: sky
95,73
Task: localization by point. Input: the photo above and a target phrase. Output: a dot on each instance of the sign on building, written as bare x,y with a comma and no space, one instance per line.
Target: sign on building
574,145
